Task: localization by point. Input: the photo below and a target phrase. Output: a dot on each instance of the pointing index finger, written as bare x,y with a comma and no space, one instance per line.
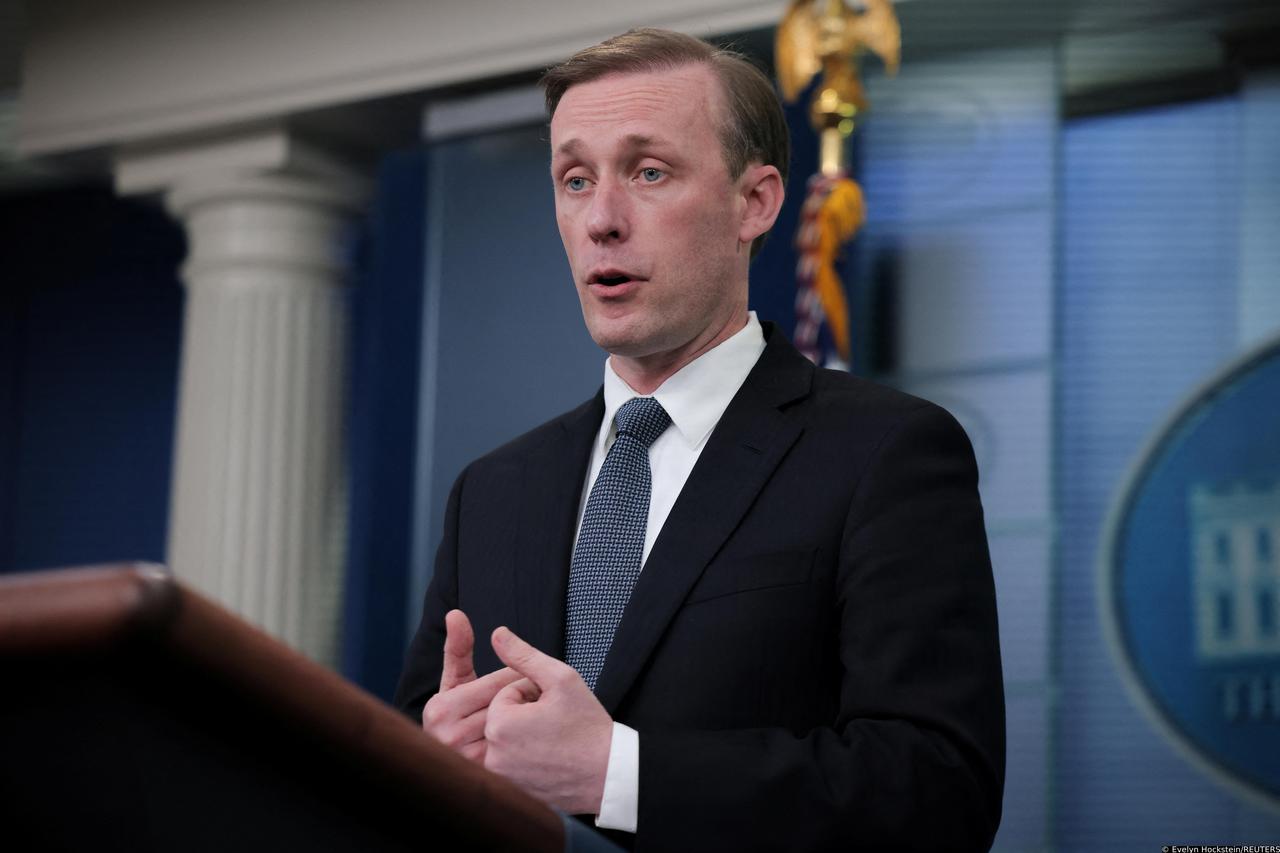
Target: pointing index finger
543,670
476,695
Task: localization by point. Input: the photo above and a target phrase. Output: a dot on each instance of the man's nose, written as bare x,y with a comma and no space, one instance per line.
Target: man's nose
607,218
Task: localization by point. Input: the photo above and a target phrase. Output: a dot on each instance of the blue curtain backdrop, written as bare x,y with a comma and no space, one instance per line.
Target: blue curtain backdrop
90,318
386,322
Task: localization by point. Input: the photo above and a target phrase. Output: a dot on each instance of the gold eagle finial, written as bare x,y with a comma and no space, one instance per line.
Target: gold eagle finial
829,36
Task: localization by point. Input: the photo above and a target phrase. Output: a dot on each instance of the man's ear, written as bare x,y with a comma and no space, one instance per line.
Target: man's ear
762,192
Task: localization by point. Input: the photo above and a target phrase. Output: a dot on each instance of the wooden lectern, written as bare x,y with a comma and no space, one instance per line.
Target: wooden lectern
137,715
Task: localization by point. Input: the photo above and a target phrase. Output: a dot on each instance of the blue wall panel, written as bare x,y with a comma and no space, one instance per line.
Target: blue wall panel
1147,310
92,316
386,321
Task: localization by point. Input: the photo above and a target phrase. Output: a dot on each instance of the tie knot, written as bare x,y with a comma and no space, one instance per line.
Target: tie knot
643,419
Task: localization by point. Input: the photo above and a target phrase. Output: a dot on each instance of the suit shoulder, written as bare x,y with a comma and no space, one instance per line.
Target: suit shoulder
838,390
583,417
841,398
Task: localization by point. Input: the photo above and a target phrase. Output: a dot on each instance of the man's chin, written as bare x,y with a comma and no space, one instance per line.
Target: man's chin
633,347
625,349
622,341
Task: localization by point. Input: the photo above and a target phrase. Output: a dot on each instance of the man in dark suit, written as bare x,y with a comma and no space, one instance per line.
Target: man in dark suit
770,581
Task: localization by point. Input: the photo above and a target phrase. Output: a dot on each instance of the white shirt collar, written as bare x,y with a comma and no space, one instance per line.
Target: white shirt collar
697,394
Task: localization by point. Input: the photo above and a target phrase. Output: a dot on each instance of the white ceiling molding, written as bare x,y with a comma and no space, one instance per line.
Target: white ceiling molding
101,74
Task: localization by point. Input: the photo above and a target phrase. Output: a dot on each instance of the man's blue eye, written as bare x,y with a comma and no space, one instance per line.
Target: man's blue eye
576,183
651,174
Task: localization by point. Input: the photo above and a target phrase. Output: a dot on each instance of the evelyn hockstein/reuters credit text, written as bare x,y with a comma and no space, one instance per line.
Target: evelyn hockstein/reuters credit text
1220,848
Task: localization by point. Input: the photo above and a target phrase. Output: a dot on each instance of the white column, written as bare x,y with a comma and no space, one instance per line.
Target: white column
1259,308
258,517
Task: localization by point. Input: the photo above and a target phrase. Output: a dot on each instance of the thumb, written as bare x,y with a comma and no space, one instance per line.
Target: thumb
520,692
459,643
543,670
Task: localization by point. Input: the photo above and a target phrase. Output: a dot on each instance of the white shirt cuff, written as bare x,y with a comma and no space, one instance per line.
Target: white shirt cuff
620,803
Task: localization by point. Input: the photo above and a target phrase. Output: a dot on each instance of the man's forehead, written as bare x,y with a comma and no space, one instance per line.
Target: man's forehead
659,96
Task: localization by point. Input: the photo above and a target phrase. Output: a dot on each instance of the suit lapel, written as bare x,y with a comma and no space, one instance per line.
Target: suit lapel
551,486
744,449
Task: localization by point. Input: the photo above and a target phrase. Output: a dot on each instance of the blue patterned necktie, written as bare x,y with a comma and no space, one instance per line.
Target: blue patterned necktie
606,560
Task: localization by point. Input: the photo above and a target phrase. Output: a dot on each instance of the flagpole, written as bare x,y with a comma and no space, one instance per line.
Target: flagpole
830,40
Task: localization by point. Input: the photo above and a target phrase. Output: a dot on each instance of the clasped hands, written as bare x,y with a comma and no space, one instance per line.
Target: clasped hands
535,721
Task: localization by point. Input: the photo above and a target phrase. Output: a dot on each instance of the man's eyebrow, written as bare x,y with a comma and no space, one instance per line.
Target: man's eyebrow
570,147
638,140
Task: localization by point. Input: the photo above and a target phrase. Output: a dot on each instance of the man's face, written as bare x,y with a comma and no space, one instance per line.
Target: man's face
649,218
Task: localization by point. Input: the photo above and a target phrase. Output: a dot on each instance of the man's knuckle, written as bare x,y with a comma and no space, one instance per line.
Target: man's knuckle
563,676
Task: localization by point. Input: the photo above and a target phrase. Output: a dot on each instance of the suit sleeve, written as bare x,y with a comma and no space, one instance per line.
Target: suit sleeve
915,758
420,678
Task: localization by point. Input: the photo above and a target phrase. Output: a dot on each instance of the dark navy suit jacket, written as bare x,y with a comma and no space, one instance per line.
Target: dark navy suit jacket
810,654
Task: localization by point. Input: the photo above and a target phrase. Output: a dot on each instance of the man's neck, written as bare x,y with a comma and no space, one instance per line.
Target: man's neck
645,374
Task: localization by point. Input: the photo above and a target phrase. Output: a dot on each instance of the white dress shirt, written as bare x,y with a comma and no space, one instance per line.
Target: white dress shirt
695,397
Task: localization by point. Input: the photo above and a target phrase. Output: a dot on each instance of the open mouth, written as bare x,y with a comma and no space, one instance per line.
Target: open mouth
611,277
